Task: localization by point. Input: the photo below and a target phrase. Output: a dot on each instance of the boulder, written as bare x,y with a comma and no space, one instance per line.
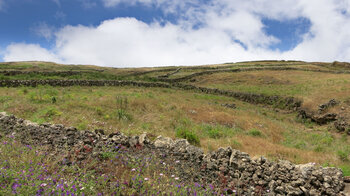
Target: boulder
163,142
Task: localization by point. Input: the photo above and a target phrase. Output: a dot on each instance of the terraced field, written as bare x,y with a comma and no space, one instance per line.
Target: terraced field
195,103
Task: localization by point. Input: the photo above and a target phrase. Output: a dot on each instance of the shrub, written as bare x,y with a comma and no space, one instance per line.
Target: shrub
43,94
213,132
50,112
345,169
53,100
255,133
191,137
122,106
123,115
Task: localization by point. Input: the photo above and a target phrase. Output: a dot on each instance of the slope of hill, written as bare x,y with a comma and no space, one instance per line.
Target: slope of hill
289,110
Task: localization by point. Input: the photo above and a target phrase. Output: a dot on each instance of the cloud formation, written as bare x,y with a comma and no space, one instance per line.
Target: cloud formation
2,4
88,4
29,52
213,32
44,30
57,2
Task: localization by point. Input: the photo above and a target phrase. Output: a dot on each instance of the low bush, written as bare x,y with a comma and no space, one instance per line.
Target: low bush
213,132
191,137
255,133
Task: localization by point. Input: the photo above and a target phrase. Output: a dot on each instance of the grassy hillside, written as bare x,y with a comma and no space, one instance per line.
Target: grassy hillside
203,119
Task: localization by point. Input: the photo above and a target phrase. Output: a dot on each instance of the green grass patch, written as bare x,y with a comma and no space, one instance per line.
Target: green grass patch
316,141
191,136
255,133
218,131
345,169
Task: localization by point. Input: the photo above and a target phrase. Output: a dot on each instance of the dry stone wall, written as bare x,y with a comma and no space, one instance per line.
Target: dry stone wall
188,77
225,167
44,73
170,74
290,103
148,72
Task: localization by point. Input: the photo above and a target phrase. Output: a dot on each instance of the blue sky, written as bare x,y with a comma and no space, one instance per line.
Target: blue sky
20,17
157,32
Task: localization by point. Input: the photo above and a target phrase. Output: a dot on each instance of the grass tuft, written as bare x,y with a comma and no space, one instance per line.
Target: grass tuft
191,136
255,133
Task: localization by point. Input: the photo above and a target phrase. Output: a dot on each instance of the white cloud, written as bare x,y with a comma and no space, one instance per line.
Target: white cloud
60,15
44,30
204,33
2,4
87,4
57,2
169,6
328,39
112,3
28,52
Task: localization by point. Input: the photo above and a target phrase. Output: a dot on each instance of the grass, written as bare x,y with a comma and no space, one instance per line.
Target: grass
345,169
200,118
255,133
191,137
164,111
309,86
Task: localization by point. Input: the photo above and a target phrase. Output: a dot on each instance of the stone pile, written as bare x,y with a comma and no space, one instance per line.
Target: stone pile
229,105
326,106
323,116
229,169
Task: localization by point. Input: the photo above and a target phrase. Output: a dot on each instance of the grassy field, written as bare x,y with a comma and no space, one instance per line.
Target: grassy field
312,87
175,113
200,118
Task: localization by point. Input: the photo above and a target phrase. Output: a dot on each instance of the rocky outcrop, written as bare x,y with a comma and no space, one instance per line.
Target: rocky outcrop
343,65
229,105
322,116
324,107
342,125
227,169
320,119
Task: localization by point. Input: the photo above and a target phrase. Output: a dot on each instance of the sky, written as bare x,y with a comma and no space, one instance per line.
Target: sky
139,33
